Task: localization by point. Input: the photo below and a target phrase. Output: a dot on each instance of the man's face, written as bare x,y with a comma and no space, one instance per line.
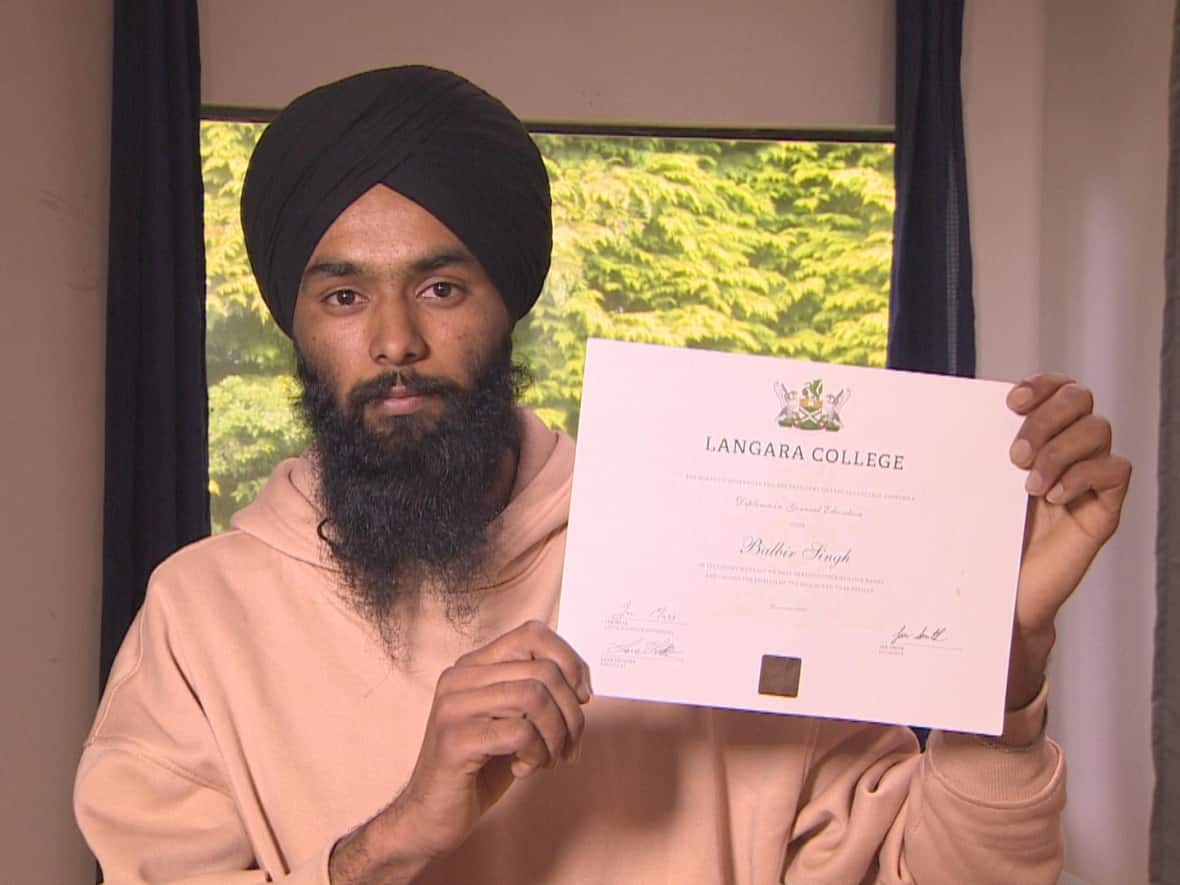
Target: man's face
389,296
409,390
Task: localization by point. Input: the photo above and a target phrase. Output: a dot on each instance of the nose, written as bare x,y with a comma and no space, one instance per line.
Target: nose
394,335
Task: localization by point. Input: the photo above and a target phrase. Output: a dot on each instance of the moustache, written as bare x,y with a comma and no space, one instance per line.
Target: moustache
378,387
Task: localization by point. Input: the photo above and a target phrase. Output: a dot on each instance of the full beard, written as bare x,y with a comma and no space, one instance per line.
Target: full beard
407,505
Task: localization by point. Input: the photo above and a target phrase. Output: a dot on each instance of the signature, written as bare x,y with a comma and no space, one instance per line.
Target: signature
662,614
926,634
626,616
645,648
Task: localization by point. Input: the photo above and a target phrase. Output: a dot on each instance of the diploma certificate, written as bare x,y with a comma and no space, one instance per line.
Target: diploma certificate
792,537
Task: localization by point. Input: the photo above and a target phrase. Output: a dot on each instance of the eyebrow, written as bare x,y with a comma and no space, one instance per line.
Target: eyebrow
441,259
333,269
427,263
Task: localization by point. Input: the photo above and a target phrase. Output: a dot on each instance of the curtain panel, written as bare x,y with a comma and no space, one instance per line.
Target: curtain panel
931,312
156,471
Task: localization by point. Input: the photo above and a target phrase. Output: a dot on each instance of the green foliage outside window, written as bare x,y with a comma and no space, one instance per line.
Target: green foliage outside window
778,248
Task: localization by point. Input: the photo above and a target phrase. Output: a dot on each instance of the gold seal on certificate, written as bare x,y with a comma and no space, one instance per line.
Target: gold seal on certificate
793,537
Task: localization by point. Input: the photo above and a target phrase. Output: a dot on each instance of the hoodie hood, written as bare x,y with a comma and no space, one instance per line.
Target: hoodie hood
286,515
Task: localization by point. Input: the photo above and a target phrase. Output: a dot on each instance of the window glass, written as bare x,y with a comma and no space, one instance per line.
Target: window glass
769,247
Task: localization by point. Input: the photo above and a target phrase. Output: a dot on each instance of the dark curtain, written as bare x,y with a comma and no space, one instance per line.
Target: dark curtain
1165,693
156,402
931,314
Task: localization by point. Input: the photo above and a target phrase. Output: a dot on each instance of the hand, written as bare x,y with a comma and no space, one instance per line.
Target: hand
500,713
1077,488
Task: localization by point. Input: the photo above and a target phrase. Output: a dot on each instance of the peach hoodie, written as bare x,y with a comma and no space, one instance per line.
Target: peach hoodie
251,719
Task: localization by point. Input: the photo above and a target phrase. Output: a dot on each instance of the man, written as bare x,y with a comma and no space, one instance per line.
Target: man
360,683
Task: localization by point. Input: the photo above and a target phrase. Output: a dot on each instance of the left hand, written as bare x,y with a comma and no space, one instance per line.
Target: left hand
1076,491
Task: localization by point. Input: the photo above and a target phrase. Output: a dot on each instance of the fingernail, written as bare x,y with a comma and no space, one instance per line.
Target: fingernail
1035,483
1021,452
1020,397
1055,494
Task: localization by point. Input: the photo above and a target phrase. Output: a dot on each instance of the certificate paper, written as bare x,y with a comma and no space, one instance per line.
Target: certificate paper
793,537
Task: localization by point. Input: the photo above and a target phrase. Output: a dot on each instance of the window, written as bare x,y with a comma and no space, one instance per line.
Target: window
779,247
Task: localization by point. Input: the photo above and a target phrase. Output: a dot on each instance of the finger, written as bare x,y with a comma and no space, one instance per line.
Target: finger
1088,437
1108,477
457,680
1030,392
520,699
1067,404
466,744
534,641
529,699
515,737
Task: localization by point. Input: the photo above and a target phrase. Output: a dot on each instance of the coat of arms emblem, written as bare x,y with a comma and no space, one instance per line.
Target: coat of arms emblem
809,408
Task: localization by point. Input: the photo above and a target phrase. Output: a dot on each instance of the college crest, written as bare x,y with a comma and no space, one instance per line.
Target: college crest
809,408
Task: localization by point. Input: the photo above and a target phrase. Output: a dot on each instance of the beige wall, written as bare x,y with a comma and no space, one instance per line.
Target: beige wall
745,62
1102,279
1003,111
55,100
1067,135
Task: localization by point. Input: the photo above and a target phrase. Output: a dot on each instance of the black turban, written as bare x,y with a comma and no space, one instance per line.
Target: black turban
428,134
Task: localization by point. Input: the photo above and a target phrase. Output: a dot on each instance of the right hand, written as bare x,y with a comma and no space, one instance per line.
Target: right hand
500,713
